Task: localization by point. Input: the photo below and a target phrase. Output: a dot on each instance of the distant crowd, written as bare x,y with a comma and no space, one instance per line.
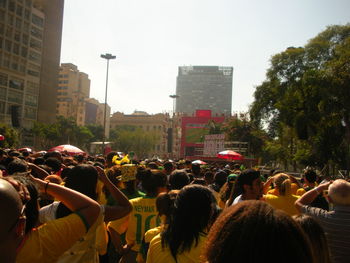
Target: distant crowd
60,208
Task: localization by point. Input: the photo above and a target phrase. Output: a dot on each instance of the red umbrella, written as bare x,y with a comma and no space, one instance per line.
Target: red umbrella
25,149
231,155
66,148
199,162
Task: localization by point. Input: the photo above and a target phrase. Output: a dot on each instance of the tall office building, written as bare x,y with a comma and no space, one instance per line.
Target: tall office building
72,91
94,114
30,41
204,88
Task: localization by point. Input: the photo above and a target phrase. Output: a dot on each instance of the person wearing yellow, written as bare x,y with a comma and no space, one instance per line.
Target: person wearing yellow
83,178
49,241
143,215
285,200
184,239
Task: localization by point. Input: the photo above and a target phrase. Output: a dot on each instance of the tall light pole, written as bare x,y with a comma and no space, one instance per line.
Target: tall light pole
107,56
174,97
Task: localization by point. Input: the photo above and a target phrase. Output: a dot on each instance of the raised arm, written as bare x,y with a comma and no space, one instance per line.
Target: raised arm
267,185
310,196
75,201
123,206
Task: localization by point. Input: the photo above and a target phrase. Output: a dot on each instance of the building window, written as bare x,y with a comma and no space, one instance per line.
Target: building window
18,23
17,36
19,10
15,96
36,32
24,52
16,49
33,56
3,79
16,83
35,44
38,21
9,32
8,45
30,113
32,88
31,100
6,60
3,93
2,16
2,107
26,14
10,19
12,6
26,27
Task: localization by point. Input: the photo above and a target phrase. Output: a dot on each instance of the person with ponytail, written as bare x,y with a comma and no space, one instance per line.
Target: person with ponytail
285,200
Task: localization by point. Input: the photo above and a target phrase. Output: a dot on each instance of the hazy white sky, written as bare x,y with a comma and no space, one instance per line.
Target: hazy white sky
151,38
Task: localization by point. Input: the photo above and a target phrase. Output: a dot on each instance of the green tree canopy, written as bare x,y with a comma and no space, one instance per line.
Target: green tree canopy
307,90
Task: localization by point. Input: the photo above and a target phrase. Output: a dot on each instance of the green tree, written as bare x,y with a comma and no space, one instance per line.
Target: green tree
130,138
11,136
307,90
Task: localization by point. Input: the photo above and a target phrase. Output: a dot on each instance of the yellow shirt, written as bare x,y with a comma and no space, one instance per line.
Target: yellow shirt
87,249
157,254
143,217
285,203
49,241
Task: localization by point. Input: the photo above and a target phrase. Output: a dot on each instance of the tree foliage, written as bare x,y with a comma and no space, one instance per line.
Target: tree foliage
304,101
131,138
11,136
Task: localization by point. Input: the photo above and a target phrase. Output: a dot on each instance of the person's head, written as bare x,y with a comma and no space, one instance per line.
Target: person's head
283,184
54,154
109,158
316,236
152,181
220,178
209,177
310,176
339,192
152,165
12,221
194,208
17,166
196,169
249,184
253,231
178,179
81,178
32,206
39,161
168,167
53,163
165,203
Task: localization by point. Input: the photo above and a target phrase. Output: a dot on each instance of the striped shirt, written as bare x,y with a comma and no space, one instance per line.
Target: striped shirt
336,225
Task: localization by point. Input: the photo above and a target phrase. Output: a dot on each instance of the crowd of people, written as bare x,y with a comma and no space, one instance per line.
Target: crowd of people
60,208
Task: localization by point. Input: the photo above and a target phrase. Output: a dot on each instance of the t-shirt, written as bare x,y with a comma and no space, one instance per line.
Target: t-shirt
93,243
336,225
158,254
237,200
285,203
143,217
49,241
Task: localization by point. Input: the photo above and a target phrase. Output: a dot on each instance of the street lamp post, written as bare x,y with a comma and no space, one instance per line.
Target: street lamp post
174,97
107,56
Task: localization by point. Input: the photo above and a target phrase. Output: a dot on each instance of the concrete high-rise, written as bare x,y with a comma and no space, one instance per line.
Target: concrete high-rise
72,91
204,88
30,43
